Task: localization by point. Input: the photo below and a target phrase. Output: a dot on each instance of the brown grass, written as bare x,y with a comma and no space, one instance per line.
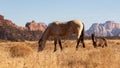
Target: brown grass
20,51
25,55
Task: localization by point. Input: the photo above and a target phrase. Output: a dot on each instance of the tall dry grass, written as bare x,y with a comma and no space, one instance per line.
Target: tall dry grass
20,51
25,55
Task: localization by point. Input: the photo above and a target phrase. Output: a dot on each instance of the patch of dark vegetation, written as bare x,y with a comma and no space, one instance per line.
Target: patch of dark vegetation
13,34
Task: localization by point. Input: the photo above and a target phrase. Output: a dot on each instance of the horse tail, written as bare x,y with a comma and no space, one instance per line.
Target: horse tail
82,36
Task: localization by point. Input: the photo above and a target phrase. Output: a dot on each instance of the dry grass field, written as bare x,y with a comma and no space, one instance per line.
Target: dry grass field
25,55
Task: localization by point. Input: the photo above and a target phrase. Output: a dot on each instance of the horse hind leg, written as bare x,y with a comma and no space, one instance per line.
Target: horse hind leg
78,41
60,44
82,41
55,43
106,44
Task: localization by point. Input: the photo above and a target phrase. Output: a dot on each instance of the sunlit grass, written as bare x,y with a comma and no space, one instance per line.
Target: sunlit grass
25,55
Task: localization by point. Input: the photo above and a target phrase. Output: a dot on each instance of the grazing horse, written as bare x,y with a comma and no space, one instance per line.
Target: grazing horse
99,42
62,29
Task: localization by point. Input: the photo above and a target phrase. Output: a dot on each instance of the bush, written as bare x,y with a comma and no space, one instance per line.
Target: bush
20,51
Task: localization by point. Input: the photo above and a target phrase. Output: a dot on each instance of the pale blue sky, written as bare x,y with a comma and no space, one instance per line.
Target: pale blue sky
89,11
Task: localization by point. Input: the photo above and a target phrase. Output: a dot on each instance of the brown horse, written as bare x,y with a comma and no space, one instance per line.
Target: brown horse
62,29
99,42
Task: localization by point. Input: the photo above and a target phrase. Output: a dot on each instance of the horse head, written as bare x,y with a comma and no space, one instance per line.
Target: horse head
41,44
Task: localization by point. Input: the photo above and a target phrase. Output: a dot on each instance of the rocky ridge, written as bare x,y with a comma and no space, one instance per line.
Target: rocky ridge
109,28
12,32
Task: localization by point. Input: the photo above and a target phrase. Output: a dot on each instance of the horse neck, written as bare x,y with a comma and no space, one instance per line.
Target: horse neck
45,35
93,39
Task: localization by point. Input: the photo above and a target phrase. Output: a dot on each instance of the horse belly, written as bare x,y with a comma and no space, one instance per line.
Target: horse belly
66,33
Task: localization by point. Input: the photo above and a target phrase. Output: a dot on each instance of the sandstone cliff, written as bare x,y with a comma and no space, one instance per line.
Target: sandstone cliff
6,22
109,28
34,26
12,32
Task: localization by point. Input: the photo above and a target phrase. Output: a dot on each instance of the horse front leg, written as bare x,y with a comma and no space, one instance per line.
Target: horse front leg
60,44
55,43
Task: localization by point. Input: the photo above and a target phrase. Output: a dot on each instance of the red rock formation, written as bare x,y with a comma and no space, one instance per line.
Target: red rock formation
6,22
30,26
10,23
10,31
1,18
33,26
22,28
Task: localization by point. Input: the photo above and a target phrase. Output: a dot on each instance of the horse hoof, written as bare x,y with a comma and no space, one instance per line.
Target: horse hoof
54,51
61,49
76,49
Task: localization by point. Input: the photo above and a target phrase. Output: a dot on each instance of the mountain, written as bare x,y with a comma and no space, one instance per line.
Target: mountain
6,22
34,26
30,26
12,32
109,28
33,30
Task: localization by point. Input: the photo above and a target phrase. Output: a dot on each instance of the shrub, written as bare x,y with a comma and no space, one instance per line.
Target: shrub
20,51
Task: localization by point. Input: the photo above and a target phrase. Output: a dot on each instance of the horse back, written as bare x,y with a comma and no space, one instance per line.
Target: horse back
76,25
60,28
65,28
